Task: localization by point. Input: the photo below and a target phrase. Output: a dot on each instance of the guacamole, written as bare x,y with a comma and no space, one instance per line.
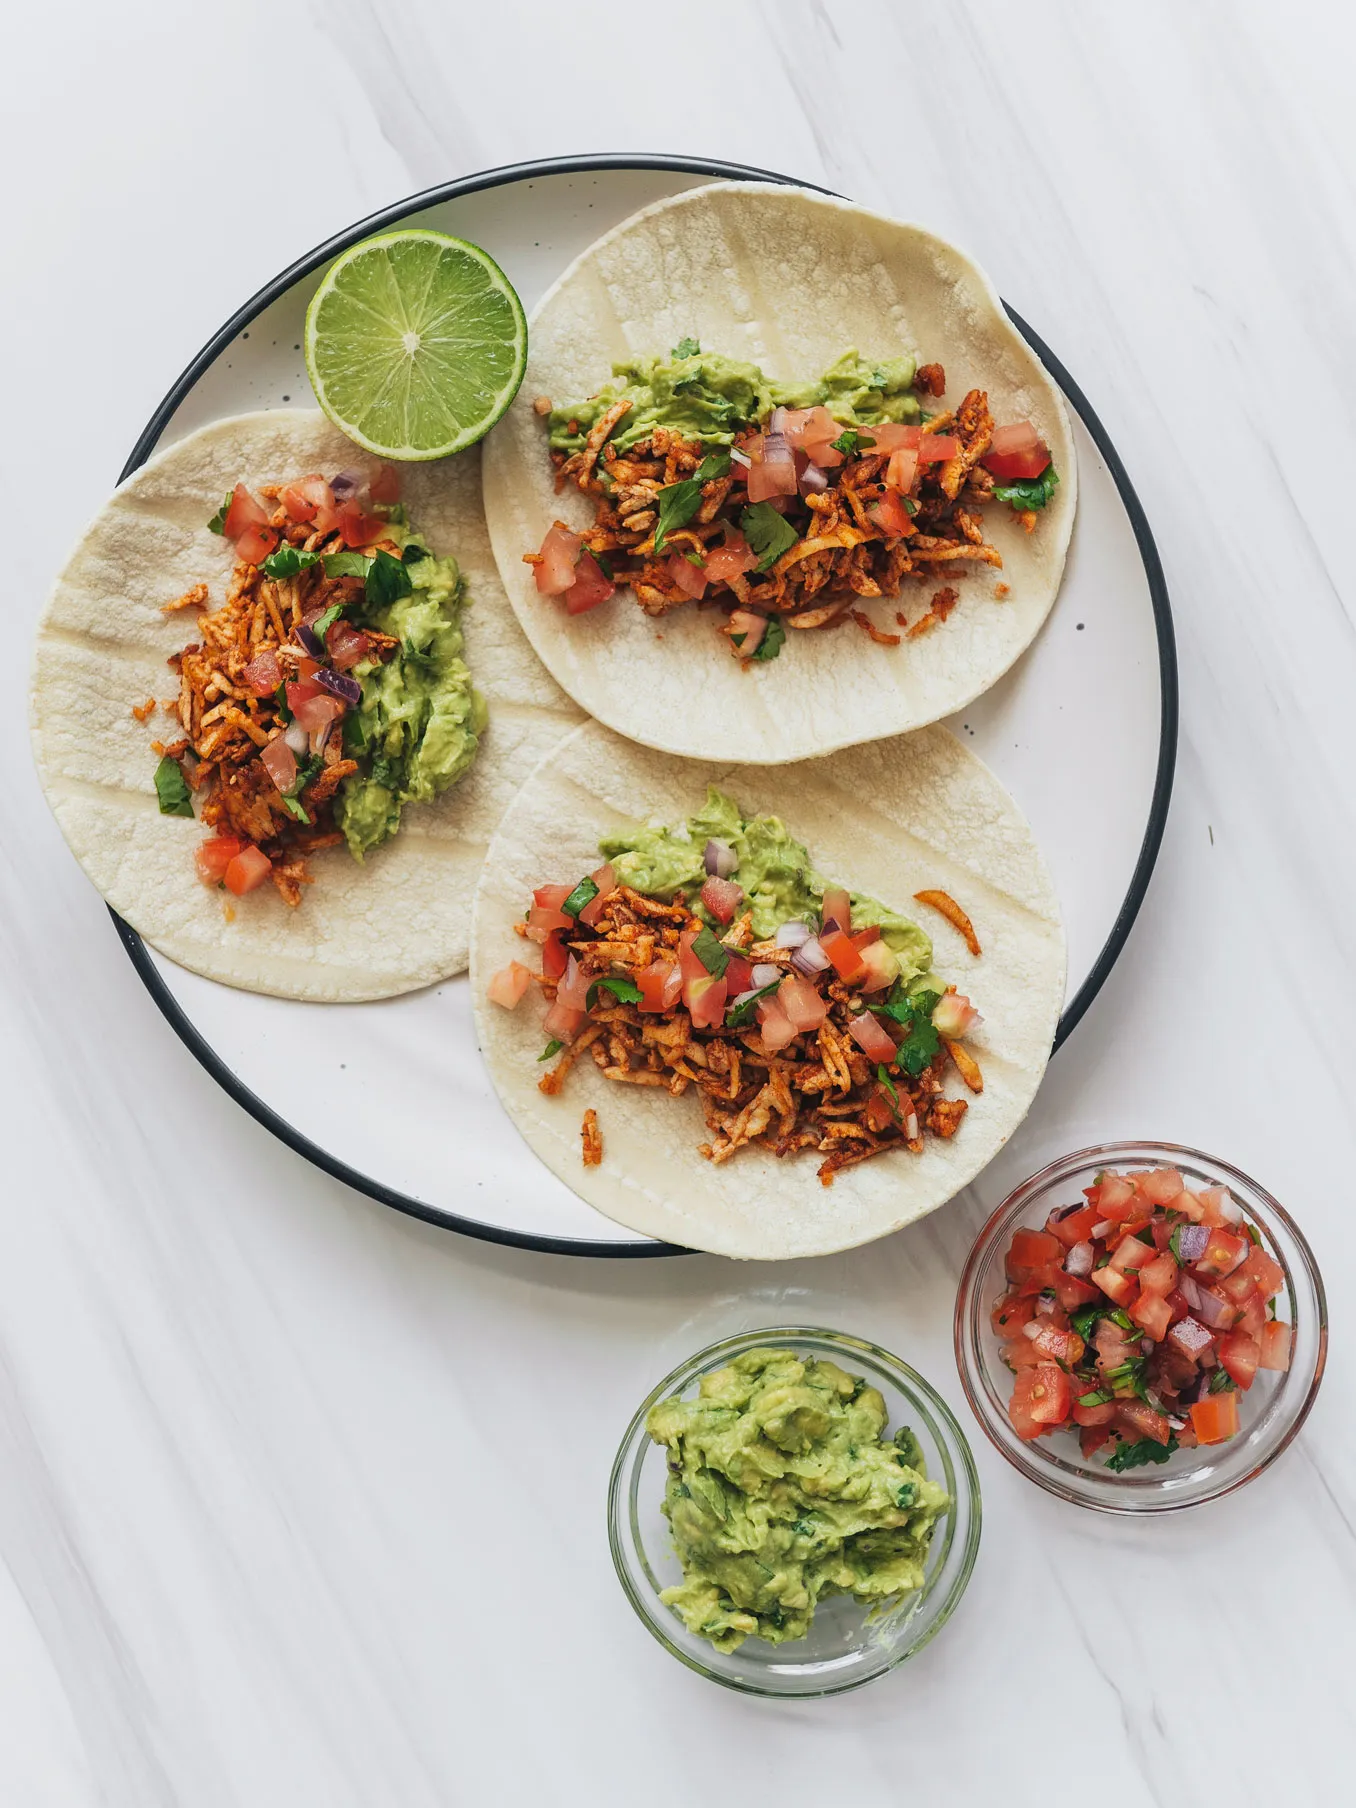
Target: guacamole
782,1489
418,726
710,398
774,870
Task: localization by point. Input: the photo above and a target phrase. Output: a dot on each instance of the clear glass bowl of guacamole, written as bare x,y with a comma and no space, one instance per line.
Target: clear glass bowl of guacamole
919,1454
1271,1411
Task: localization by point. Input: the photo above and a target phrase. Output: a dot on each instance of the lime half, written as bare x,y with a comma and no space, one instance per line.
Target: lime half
415,344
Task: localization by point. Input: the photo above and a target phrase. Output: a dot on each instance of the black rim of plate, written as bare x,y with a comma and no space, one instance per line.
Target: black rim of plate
169,1006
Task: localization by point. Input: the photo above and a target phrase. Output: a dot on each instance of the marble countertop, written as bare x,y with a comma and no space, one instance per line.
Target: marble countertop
285,1478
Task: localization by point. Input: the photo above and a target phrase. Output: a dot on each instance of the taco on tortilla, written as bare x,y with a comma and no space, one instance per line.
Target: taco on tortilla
736,1032
807,442
260,638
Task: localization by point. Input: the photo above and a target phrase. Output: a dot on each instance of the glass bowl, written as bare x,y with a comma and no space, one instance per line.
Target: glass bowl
1271,1411
848,1644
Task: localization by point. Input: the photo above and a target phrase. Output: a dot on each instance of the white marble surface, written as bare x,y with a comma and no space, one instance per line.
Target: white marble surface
301,1502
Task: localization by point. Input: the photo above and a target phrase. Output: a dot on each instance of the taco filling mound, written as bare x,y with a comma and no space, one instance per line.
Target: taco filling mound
806,1017
328,690
782,506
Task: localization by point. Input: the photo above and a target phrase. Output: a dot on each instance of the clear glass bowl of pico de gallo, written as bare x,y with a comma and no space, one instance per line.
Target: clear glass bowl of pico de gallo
1141,1327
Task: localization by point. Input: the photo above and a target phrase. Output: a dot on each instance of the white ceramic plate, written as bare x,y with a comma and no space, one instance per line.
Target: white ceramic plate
391,1097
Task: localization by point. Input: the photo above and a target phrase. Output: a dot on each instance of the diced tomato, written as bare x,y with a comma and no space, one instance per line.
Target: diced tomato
1189,1205
280,763
554,956
774,1026
845,956
562,1021
1215,1418
870,1035
573,987
554,570
248,870
1130,1256
213,857
1010,1314
1265,1272
589,588
1240,1355
1072,1292
1179,1305
706,999
347,645
1152,1313
1076,1228
1030,1249
890,515
1094,1415
1049,1395
901,470
256,543
689,578
1277,1339
722,897
1040,1280
1222,1254
245,511
543,922
508,985
1016,452
385,486
262,676
1253,1320
1058,1345
312,705
881,965
836,910
358,528
1113,1345
1214,1201
1092,1438
303,500
1021,1353
936,448
661,986
551,897
1116,1198
800,999
1159,1276
1161,1186
1238,1286
1143,1420
606,881
804,427
730,560
1116,1286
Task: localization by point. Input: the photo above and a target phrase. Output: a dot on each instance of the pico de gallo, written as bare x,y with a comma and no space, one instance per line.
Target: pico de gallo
326,692
712,486
1138,1316
803,1015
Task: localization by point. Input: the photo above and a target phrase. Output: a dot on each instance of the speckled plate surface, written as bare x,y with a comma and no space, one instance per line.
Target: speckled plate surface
392,1097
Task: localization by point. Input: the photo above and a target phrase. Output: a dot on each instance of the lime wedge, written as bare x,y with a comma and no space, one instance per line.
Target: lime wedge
415,344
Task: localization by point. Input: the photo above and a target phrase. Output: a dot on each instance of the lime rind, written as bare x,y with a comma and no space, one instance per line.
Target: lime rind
441,394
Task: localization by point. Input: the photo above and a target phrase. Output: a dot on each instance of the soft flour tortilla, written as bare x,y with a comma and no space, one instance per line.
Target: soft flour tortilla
890,819
399,921
788,280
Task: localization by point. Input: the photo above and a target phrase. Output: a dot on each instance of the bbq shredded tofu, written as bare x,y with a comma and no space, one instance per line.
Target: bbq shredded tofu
819,1090
890,502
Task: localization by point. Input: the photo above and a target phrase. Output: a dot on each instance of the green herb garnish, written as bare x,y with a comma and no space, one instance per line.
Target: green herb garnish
850,441
1098,1397
387,579
625,991
769,534
287,561
171,789
347,565
1028,492
774,639
322,624
888,1084
553,1047
713,955
921,1041
1222,1382
584,893
217,525
678,503
1145,1450
295,807
714,466
739,1016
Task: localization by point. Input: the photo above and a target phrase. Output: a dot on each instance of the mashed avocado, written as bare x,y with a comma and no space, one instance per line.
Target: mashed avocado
419,723
782,1490
774,869
710,398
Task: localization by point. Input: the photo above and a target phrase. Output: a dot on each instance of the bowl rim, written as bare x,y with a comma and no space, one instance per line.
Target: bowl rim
1142,1502
950,1436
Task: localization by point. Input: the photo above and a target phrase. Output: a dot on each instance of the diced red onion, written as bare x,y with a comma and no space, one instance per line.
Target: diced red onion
1031,1329
1215,1312
1229,1207
810,957
310,640
1146,1346
777,420
813,481
1190,1291
1105,1228
1079,1260
1177,1424
1192,1240
744,997
297,738
347,484
793,934
740,458
339,684
720,859
320,738
1045,1307
775,473
766,973
1189,1337
911,1127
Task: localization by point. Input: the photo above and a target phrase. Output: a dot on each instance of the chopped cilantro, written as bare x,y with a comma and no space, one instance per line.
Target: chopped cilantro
386,580
888,1084
774,639
678,503
1028,492
347,565
414,554
287,561
921,1042
295,807
1119,1316
322,624
769,534
1145,1450
695,558
1222,1382
714,466
604,565
625,991
280,709
1083,1321
713,955
584,893
171,789
686,348
553,1047
739,1016
907,1494
1175,1244
217,525
850,441
1098,1397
